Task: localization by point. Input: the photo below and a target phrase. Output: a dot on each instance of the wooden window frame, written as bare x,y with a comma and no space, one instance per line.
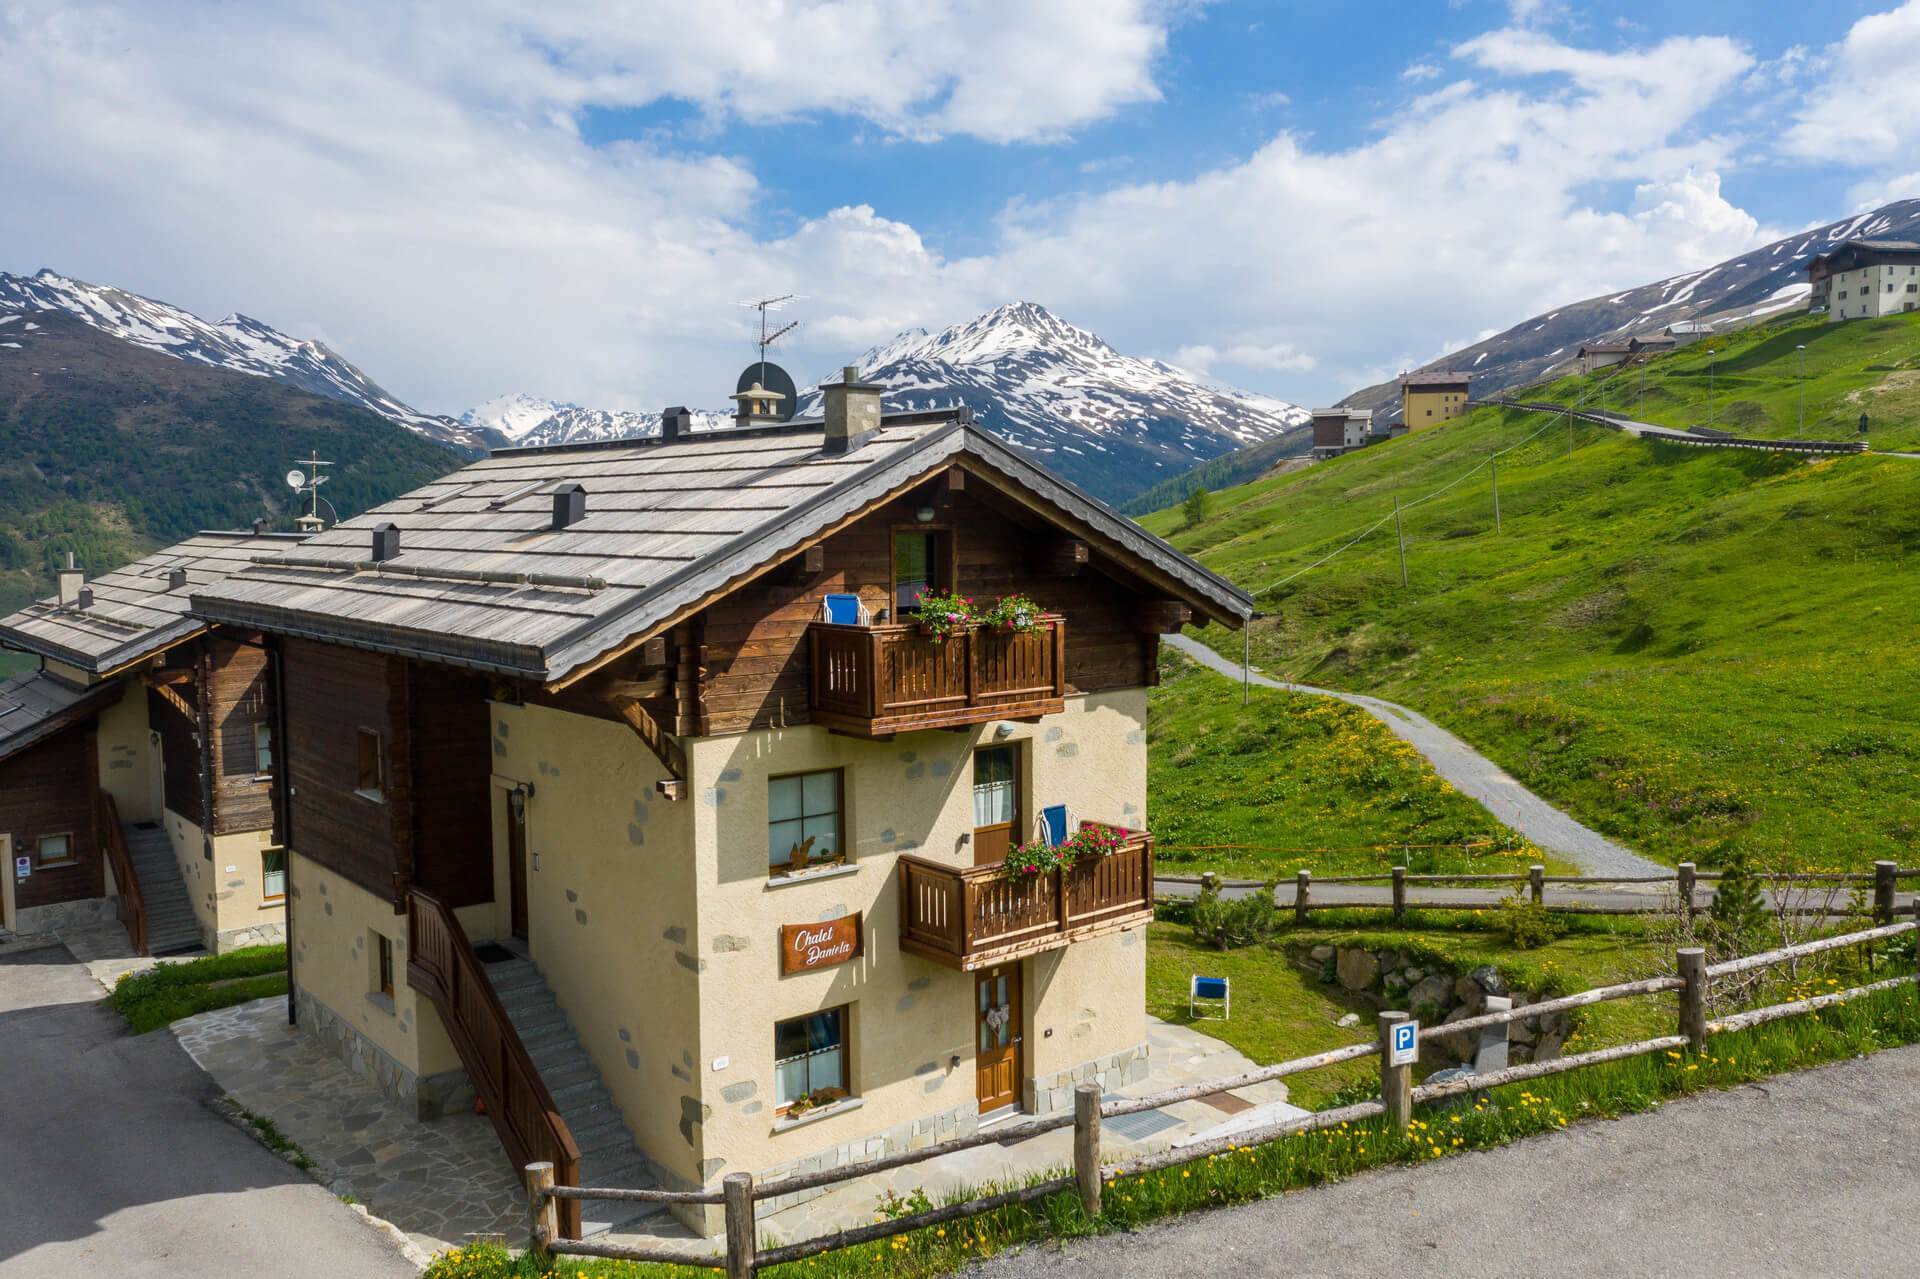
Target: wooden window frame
378,793
841,857
72,858
945,557
844,1012
259,773
383,965
280,896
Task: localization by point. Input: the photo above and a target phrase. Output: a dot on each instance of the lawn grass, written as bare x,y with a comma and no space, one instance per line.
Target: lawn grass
162,995
1693,651
1308,782
1517,1111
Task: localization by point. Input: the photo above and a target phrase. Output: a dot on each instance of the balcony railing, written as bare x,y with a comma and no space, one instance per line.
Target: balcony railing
875,681
970,916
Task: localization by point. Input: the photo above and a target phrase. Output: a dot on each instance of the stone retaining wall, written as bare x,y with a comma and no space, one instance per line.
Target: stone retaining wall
1052,1094
1436,996
430,1096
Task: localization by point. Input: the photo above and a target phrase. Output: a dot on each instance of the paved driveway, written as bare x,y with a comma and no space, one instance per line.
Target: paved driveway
1810,1174
112,1164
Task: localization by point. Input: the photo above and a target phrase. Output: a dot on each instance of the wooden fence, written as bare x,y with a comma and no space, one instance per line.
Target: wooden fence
743,1255
1707,439
1686,879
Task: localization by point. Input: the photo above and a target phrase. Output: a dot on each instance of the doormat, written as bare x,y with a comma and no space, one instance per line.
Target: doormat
1228,1103
492,952
1139,1127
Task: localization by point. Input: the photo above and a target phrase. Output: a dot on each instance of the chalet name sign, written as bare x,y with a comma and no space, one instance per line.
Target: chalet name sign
804,947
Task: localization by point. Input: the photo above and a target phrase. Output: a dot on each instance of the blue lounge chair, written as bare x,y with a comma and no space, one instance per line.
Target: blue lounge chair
1055,825
843,610
1209,992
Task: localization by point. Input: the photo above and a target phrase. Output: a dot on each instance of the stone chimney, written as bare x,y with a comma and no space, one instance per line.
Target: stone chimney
852,411
675,424
70,579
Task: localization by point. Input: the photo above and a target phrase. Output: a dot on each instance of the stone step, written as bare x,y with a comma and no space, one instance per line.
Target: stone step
541,1030
528,1003
559,1055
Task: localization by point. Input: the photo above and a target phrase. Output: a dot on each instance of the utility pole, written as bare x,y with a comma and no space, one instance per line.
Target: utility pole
1400,536
1496,494
1800,353
1712,359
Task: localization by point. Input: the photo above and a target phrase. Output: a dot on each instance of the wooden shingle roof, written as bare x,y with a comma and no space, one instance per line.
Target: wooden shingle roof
135,613
483,579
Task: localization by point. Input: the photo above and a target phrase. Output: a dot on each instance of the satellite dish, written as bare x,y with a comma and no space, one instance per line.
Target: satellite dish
296,479
771,377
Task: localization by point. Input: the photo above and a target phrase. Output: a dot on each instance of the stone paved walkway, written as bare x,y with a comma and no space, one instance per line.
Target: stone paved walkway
447,1182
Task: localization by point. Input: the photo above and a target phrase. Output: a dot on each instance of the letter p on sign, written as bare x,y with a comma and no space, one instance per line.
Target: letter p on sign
1405,1049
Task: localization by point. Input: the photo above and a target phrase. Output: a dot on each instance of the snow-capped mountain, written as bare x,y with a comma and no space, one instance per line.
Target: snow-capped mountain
238,342
1113,423
1757,283
1108,421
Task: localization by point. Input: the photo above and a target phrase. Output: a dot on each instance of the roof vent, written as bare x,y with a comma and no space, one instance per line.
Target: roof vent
176,578
569,505
70,582
86,598
675,424
386,541
260,526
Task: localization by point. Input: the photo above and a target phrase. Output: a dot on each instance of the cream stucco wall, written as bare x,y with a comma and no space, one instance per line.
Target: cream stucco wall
334,964
1880,289
226,890
610,918
129,760
910,1017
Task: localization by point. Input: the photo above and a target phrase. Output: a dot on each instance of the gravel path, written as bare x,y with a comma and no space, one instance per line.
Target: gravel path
1816,1173
1471,773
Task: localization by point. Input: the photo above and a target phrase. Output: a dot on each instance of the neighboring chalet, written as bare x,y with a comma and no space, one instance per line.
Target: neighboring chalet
624,786
1602,355
136,762
1338,430
1687,332
1861,279
1432,396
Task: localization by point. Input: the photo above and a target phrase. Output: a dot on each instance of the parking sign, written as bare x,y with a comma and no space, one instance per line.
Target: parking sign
1405,1048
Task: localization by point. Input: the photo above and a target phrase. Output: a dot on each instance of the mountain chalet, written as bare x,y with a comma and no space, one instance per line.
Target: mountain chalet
631,786
136,762
1861,279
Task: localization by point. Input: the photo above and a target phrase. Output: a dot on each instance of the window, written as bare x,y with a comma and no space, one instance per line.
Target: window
273,874
994,788
810,1059
919,565
373,766
262,750
383,964
803,821
54,850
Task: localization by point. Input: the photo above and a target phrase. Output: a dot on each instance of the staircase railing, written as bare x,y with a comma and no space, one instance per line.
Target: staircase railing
442,966
133,907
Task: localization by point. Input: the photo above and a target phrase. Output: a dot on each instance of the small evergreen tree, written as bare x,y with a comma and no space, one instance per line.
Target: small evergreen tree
1195,508
1738,915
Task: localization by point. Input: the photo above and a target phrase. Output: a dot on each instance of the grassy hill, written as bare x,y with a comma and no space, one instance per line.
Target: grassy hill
109,450
1692,650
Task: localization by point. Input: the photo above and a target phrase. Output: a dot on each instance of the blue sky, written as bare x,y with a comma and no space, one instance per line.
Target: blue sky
479,197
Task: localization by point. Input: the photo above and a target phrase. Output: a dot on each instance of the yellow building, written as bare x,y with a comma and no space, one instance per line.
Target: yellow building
1432,396
685,749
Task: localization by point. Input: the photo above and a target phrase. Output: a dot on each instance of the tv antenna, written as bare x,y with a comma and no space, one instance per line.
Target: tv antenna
306,482
763,306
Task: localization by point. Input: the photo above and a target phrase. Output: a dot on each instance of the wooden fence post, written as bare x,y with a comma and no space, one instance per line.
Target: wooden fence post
1086,1146
1537,883
1302,886
736,1189
1693,996
1883,893
1399,893
543,1217
1683,886
1396,1082
1207,880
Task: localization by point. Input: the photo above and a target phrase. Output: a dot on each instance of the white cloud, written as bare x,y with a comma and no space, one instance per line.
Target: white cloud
1867,110
1420,71
1276,357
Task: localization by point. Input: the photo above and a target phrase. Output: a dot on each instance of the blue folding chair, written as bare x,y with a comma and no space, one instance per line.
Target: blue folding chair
843,610
1209,992
1055,825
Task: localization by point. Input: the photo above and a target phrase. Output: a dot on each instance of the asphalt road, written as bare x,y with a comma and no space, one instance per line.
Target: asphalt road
112,1163
1471,773
1810,1174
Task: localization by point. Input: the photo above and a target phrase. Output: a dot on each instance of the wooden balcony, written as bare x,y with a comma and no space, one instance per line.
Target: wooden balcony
967,917
875,681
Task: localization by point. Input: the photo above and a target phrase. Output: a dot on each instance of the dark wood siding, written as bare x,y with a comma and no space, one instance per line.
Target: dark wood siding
183,786
332,693
755,639
452,748
49,790
240,692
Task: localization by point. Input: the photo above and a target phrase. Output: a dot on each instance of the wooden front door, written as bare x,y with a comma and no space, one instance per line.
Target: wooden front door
517,861
996,803
997,1036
